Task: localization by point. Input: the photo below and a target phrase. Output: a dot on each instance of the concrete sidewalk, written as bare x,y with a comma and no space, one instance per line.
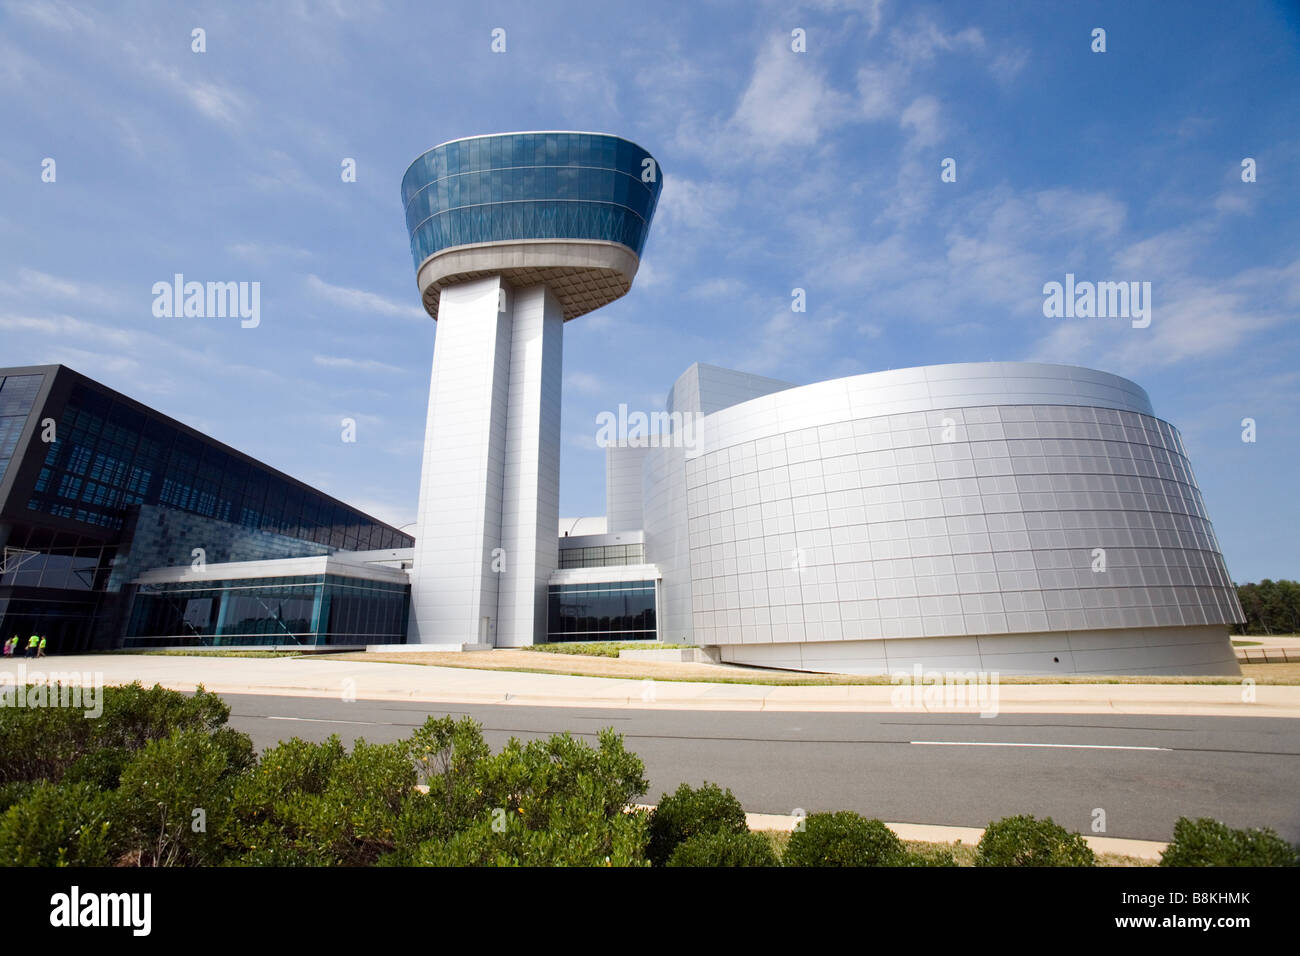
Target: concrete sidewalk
323,677
1271,650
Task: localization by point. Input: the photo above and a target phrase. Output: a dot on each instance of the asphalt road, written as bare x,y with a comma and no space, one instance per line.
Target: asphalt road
960,770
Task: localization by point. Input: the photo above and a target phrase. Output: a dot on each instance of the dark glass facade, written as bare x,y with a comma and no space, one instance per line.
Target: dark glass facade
306,610
17,395
69,507
602,556
530,186
620,611
110,455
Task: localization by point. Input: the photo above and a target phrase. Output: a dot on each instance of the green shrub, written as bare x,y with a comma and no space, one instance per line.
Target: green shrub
134,715
556,802
1207,842
928,856
103,768
59,825
687,812
198,795
39,743
449,757
724,848
578,836
174,796
312,804
844,839
11,793
600,648
1025,841
42,743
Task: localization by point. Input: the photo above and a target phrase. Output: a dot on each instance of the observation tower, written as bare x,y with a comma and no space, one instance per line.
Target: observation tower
512,235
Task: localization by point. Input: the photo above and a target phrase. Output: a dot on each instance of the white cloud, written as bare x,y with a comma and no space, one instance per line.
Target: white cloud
356,365
35,289
920,45
43,284
878,91
720,288
1097,215
786,340
584,383
360,300
261,251
1006,66
921,119
690,204
105,367
586,441
789,101
583,90
1192,319
68,328
53,14
218,103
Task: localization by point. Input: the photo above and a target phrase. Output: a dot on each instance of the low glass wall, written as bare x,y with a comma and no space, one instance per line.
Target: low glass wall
621,611
309,610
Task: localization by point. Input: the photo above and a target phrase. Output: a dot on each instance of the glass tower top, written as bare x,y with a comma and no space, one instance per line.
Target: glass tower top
512,186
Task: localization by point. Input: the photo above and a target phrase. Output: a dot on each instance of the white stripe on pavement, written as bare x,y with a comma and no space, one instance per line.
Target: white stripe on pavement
326,720
989,743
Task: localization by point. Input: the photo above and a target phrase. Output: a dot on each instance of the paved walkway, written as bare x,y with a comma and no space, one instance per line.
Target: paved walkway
323,677
1271,650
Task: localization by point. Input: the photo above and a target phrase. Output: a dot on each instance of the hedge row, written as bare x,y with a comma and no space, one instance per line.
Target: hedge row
159,780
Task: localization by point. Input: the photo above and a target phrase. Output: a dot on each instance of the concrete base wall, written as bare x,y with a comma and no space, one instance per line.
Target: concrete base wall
1170,650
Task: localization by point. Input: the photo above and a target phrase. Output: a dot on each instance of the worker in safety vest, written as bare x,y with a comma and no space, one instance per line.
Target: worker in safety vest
40,648
32,645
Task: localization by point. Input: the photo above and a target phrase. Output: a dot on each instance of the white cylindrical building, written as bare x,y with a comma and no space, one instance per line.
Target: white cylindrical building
1010,517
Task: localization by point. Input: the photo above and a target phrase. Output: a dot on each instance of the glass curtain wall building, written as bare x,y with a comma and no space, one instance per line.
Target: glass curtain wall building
88,476
328,604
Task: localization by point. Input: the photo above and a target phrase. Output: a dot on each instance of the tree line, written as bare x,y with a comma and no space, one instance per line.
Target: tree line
1272,607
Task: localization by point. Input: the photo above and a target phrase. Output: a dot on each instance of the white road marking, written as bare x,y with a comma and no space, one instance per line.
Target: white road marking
326,720
989,743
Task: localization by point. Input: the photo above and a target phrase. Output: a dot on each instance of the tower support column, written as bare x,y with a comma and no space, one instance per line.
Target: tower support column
530,505
453,585
485,540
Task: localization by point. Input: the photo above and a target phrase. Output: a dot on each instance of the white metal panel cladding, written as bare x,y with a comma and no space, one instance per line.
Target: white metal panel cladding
917,390
623,468
453,586
814,516
530,503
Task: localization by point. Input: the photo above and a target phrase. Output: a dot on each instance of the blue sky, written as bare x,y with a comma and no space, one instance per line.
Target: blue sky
818,170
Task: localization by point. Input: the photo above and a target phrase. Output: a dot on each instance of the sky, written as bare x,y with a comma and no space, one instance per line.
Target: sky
818,170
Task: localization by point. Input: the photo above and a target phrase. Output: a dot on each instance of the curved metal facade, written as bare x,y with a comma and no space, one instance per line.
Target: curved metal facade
1013,516
546,185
